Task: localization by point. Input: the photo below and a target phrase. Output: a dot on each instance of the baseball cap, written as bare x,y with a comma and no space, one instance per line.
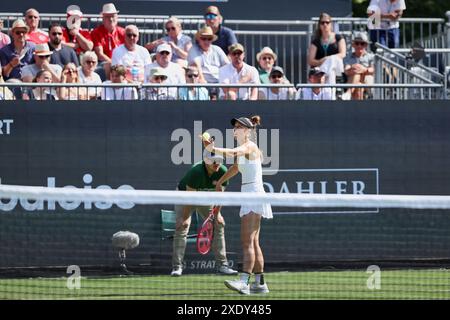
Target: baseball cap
277,69
361,36
210,157
236,47
246,122
164,47
315,72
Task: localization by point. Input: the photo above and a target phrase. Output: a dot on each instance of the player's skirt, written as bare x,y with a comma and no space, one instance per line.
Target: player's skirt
265,210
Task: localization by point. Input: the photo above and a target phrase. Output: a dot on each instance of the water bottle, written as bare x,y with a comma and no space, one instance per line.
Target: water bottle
134,73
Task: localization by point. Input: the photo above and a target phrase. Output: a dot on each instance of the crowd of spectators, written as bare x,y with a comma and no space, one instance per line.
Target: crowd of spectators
110,54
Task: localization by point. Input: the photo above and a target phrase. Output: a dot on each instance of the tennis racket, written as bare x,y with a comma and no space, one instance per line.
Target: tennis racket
206,232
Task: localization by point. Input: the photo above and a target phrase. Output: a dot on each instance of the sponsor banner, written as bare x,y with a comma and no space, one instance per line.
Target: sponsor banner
370,147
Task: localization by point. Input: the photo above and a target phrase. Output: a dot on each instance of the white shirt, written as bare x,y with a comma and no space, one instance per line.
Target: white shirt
138,58
210,61
32,70
93,79
126,93
174,71
283,94
308,94
228,74
386,6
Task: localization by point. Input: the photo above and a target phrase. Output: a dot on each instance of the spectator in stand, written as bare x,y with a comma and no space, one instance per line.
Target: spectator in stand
327,50
5,93
42,55
193,93
180,43
62,55
266,59
4,38
18,54
106,37
358,67
159,75
174,72
315,76
325,43
118,73
88,75
225,36
387,29
34,34
277,76
131,55
75,37
41,93
207,57
238,72
70,75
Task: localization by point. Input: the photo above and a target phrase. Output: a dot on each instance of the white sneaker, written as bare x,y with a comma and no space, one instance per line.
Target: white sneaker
224,269
238,285
176,272
259,288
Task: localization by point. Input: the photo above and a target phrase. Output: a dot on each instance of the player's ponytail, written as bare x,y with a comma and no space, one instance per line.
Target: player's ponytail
256,120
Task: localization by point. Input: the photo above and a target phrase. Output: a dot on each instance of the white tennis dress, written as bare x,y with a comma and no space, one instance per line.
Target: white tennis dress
251,171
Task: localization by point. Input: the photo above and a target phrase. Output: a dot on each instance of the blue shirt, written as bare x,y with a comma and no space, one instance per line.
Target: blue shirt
200,93
182,41
225,38
7,53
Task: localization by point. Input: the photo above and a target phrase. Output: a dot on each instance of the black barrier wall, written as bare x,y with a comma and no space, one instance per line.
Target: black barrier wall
372,147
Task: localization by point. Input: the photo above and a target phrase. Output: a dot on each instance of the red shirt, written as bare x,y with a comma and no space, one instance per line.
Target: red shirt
37,36
102,38
68,38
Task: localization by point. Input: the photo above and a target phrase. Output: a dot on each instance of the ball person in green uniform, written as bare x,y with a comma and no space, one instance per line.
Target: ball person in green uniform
202,176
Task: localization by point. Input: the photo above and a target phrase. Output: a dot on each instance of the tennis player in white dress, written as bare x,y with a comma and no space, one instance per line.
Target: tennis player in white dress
249,163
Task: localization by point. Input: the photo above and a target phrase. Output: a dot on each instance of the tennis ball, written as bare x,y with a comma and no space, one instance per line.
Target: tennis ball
206,136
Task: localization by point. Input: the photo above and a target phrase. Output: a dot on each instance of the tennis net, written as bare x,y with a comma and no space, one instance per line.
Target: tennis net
317,246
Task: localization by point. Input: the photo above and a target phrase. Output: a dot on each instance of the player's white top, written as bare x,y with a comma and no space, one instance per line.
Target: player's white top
251,170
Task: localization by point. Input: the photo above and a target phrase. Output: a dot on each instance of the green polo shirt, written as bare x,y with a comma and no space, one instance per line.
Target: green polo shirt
197,178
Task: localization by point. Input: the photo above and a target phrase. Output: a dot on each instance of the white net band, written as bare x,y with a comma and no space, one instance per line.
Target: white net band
149,197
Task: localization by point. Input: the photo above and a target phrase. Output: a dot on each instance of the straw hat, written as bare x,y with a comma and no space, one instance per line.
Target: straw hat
109,8
265,51
19,24
205,31
42,49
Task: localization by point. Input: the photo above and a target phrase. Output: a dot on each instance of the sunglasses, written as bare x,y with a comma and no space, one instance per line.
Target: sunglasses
190,76
71,71
237,53
164,53
131,35
210,16
56,33
206,39
325,22
171,29
20,32
160,78
276,76
32,17
359,43
267,58
44,57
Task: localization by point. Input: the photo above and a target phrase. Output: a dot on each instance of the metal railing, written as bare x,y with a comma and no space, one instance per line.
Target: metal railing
394,67
153,91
